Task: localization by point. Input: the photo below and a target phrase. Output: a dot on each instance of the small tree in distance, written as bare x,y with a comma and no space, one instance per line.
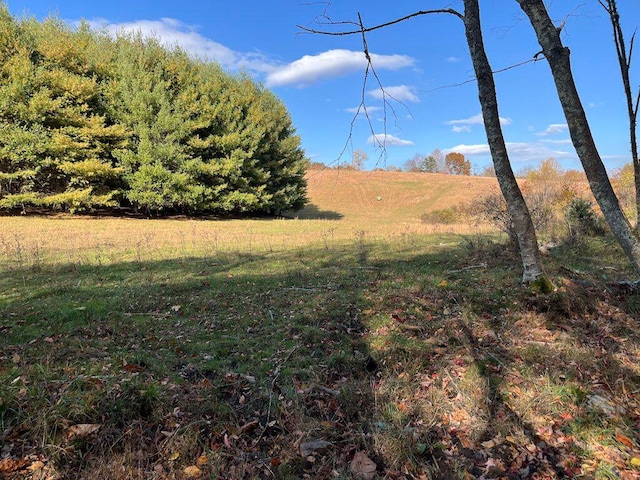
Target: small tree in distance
488,171
414,164
425,164
456,164
358,157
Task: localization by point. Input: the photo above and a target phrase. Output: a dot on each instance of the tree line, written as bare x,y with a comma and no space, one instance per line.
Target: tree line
452,163
92,121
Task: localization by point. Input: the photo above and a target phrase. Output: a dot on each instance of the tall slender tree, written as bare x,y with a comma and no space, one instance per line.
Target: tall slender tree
516,206
624,59
558,57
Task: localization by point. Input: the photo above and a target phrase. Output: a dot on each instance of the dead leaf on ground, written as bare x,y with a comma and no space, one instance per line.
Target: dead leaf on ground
363,467
624,440
133,368
82,429
192,471
9,465
309,448
35,466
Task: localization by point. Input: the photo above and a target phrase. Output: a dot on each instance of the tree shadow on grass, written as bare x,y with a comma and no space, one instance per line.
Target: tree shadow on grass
312,212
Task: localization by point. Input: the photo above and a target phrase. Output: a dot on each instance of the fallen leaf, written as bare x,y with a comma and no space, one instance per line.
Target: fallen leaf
35,466
15,358
9,465
308,448
133,368
202,460
174,456
363,467
192,471
82,429
624,440
635,461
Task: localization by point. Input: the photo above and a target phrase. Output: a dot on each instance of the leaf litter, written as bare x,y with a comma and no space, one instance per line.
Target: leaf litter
515,387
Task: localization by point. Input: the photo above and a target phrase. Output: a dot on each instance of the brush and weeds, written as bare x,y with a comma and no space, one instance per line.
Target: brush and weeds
343,357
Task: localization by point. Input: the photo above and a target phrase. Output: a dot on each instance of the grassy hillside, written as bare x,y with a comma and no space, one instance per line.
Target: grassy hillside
344,207
398,198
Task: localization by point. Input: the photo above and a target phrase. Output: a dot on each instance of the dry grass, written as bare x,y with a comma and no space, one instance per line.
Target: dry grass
343,208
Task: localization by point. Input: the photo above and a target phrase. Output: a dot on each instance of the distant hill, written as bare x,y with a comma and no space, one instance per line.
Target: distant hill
388,197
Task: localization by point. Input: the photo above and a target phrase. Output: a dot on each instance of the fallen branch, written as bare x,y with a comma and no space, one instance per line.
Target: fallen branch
470,267
328,390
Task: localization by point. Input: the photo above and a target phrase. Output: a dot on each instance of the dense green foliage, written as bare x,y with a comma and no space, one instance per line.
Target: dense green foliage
88,121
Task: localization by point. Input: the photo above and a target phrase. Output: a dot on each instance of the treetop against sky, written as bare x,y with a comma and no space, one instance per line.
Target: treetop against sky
423,65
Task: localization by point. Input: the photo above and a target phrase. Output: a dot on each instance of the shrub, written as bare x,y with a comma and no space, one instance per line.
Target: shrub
582,220
493,209
445,216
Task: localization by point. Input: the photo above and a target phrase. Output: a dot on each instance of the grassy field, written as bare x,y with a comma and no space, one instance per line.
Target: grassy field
352,342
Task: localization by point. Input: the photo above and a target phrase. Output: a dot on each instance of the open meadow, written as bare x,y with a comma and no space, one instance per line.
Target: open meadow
352,341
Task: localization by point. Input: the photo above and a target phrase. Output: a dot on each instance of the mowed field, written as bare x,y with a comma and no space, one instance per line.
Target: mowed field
389,200
343,206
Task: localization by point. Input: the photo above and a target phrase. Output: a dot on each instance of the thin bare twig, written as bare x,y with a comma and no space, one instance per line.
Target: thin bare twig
450,11
471,80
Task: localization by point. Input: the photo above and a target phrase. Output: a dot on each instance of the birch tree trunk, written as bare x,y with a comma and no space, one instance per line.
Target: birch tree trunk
518,210
558,57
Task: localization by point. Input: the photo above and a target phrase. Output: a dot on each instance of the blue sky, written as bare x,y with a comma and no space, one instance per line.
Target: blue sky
320,78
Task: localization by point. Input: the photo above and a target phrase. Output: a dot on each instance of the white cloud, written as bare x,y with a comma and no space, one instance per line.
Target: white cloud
518,151
361,110
553,129
401,93
453,59
464,124
475,120
386,140
332,63
469,150
171,32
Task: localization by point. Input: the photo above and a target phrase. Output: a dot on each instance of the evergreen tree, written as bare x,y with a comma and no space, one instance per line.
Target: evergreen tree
88,120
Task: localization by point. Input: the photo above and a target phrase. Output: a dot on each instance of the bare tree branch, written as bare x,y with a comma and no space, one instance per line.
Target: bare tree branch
449,11
473,79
